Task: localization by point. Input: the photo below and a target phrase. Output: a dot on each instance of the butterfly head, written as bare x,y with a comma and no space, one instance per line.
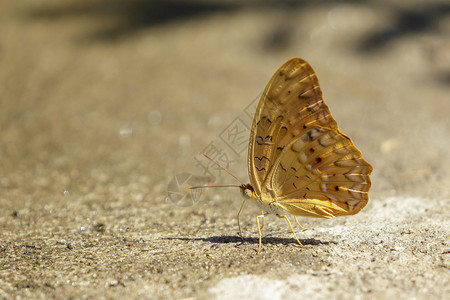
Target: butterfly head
247,191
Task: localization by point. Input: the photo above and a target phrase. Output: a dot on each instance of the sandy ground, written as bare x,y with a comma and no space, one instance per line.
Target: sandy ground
104,104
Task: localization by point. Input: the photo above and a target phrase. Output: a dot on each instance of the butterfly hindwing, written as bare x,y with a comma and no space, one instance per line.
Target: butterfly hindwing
323,166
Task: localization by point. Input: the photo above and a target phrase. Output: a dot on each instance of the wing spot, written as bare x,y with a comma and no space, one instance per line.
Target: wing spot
336,188
319,159
266,141
260,163
294,169
294,185
311,150
265,118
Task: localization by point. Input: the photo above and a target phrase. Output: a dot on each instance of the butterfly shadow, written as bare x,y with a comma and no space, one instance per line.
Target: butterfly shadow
227,239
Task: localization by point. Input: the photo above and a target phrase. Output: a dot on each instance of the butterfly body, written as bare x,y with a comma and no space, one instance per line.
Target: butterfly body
299,161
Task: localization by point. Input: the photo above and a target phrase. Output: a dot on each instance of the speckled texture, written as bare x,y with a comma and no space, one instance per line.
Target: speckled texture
102,104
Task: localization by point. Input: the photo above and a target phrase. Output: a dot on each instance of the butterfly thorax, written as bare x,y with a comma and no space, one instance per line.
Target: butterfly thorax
267,204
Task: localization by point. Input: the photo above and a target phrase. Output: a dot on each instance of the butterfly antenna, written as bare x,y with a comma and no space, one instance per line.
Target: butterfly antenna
210,186
222,167
214,186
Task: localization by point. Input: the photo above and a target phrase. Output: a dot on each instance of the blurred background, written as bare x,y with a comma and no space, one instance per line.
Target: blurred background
103,102
128,91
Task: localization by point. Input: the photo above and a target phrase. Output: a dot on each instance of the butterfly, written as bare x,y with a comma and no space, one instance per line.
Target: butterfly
299,162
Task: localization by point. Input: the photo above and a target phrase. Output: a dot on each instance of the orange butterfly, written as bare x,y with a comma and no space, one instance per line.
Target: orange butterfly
299,161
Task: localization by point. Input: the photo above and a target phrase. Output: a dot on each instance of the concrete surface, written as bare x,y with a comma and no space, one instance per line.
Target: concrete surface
103,103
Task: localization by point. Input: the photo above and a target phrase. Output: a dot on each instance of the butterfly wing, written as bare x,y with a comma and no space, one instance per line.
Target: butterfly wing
320,173
292,101
298,158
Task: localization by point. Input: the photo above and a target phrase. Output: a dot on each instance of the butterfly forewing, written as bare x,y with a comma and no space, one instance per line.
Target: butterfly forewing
291,102
297,153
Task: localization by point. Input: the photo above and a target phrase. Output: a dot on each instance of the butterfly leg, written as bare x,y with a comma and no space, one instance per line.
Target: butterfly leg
259,231
262,219
292,229
239,223
298,223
